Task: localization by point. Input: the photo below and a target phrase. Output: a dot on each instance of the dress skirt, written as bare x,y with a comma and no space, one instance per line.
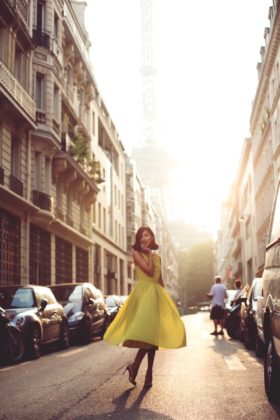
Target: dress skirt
148,318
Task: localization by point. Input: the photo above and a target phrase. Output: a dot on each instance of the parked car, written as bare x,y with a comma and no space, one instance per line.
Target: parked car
248,314
123,299
231,294
85,308
260,342
36,313
233,318
114,304
271,308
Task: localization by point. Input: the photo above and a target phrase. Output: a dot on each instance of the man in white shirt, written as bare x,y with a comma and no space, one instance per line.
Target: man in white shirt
218,294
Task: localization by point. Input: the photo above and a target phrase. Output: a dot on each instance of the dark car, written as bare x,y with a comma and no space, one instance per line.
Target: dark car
36,313
114,304
85,308
248,314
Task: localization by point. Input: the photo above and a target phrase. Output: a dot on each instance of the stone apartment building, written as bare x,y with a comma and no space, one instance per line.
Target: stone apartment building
259,167
70,199
59,151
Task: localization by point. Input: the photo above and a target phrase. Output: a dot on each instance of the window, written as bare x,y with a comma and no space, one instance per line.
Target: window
56,26
37,171
39,256
94,213
3,43
41,14
99,215
40,91
82,266
63,260
56,103
19,65
104,220
69,203
48,175
59,195
15,158
93,123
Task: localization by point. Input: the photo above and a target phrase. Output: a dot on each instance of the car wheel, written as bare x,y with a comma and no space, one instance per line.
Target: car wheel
35,343
64,336
15,347
85,331
271,372
259,347
233,327
249,336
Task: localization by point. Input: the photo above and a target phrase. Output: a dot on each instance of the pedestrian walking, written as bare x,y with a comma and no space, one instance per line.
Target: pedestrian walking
149,319
218,294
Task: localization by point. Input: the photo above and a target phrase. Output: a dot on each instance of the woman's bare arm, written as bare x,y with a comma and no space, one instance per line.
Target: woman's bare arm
146,266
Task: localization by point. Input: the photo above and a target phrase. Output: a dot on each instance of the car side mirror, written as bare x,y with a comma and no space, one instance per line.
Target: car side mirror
43,305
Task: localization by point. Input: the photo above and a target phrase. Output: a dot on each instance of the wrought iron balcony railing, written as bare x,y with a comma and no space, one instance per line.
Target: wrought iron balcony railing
41,38
21,8
16,185
42,200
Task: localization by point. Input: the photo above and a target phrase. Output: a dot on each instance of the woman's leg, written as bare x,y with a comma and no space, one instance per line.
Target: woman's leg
151,358
149,374
138,358
133,367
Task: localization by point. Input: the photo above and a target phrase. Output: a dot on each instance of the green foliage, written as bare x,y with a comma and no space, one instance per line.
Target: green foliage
196,272
80,149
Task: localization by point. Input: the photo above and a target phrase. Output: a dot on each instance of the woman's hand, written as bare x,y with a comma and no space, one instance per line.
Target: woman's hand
146,265
145,249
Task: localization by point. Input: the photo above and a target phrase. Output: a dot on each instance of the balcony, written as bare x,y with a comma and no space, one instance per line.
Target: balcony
74,177
42,200
14,92
21,8
16,185
18,10
41,39
1,176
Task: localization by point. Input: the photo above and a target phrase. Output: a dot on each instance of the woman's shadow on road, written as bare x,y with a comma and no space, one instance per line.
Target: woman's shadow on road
134,412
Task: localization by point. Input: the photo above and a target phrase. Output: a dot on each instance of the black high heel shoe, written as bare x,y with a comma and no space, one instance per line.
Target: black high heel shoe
131,374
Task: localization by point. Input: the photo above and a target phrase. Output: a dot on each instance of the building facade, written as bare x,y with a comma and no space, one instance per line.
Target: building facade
70,199
258,172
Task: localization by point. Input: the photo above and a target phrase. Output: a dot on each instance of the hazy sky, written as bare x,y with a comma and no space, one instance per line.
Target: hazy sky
206,54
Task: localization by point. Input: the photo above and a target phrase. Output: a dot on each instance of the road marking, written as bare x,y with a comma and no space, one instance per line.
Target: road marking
234,363
72,352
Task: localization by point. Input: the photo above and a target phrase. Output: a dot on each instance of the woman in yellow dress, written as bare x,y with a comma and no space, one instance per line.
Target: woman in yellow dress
149,319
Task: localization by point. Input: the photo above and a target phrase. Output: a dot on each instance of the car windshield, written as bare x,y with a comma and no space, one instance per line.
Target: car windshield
68,293
14,298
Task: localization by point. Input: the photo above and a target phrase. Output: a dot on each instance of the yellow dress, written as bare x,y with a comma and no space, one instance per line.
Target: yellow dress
148,317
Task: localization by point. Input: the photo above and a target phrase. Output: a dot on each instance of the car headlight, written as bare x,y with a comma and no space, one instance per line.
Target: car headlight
76,317
20,321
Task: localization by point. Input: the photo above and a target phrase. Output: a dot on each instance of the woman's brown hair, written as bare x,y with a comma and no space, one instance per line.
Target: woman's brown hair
138,236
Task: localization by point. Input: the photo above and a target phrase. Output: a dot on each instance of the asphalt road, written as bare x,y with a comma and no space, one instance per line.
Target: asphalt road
212,378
